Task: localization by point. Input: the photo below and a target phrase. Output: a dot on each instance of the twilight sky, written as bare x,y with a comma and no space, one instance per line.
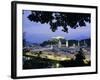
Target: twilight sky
37,32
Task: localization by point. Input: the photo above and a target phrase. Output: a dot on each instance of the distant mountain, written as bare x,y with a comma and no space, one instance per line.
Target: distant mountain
31,44
81,42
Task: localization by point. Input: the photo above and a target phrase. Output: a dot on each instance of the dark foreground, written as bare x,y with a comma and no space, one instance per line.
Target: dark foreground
38,63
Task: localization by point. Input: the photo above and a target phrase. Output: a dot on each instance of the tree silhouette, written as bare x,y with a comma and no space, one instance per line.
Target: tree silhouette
80,57
60,19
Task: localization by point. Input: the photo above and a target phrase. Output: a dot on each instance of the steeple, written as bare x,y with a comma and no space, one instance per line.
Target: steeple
66,43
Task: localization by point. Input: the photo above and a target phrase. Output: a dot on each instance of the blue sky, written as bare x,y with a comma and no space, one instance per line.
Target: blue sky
37,32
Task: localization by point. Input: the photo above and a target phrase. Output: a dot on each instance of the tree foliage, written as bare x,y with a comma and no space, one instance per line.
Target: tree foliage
60,19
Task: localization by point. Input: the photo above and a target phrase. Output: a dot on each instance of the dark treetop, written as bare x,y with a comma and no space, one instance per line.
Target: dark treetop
60,19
